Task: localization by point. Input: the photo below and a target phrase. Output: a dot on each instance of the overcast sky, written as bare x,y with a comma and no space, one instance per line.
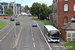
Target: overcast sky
29,2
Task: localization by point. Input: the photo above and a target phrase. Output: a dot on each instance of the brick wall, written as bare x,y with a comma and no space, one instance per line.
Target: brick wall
63,34
62,14
4,16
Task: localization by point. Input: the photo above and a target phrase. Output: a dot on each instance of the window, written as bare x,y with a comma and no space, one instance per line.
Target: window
65,19
74,7
54,0
57,1
65,0
66,7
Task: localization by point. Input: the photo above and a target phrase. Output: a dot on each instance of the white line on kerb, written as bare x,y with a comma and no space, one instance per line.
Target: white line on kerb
44,37
33,44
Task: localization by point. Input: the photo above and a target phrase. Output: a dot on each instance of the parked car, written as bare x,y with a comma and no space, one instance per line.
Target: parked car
5,17
17,23
34,25
12,19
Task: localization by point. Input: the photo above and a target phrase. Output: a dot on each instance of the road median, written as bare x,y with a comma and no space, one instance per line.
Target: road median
2,24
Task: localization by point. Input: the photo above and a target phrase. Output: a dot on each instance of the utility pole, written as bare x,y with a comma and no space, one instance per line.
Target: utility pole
15,18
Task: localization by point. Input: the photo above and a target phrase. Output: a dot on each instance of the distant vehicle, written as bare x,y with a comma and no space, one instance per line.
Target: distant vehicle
23,13
29,14
5,17
17,23
34,25
12,19
51,33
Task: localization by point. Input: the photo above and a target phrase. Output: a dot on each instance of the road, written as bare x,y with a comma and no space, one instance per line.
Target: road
7,38
31,38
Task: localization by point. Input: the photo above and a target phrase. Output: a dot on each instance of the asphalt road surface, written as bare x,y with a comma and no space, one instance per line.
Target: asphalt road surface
31,38
7,38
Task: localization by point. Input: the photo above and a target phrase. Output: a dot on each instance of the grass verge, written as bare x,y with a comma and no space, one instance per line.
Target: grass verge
45,22
2,24
24,17
70,45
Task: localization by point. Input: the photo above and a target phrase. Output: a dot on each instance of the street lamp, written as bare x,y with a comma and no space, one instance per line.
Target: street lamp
15,19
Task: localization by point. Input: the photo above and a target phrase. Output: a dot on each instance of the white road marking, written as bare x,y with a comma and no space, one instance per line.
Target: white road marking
26,48
32,35
0,40
21,23
33,44
42,49
17,40
4,37
33,39
44,37
7,33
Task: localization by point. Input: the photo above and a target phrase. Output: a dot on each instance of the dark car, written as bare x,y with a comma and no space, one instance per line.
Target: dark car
17,23
12,19
5,17
34,25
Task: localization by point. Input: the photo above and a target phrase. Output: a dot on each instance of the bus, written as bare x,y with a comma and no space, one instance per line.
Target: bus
51,33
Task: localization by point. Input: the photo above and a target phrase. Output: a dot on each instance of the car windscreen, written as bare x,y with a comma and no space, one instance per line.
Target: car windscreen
34,24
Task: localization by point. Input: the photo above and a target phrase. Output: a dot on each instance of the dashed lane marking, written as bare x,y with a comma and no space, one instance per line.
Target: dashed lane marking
33,44
33,39
4,37
32,35
43,36
0,40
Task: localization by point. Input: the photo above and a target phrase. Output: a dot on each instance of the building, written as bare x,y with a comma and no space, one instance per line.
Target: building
4,6
68,31
63,11
22,9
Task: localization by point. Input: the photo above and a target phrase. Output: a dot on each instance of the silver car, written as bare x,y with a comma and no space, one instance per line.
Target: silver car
34,25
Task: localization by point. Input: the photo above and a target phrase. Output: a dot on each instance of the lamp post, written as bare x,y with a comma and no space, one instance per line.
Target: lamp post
15,19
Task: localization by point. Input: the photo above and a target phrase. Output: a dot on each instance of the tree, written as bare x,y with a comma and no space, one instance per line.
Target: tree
51,6
9,11
36,8
44,12
26,8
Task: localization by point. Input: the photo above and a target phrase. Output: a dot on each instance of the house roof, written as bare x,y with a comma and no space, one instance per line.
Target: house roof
69,26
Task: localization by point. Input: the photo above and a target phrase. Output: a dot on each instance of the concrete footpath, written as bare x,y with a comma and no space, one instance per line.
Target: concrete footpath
62,42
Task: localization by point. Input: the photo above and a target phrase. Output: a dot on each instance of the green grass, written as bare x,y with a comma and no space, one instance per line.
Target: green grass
2,24
45,22
70,45
24,17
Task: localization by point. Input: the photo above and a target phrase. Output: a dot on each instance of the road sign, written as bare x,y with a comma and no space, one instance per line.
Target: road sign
47,17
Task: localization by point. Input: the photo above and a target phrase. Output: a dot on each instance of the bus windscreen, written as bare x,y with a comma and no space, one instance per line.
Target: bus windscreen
54,34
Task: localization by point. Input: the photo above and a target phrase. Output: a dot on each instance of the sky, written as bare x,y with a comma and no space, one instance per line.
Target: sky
29,2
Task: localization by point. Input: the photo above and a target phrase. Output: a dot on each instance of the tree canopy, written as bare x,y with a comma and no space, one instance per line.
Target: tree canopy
40,9
36,9
27,7
9,11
